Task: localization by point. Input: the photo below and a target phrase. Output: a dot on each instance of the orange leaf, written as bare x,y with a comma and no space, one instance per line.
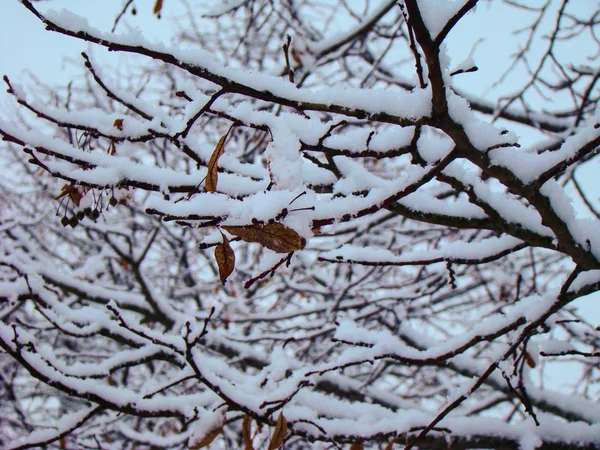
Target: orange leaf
206,440
157,7
247,432
72,192
212,176
275,236
124,264
529,360
278,437
225,259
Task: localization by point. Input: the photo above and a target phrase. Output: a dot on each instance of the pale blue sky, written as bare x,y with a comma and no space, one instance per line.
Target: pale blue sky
24,44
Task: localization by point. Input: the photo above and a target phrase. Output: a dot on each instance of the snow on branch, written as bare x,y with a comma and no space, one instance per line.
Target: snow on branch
293,224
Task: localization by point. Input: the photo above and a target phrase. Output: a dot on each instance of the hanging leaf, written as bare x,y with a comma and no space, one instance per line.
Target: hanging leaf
247,432
157,7
357,446
212,176
206,440
390,445
225,259
118,124
71,191
275,236
278,437
530,360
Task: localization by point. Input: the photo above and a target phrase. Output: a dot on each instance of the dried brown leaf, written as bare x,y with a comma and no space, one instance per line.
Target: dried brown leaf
225,259
157,7
247,432
72,192
124,264
212,176
182,94
64,191
529,360
297,55
390,445
357,446
278,437
207,440
275,236
118,124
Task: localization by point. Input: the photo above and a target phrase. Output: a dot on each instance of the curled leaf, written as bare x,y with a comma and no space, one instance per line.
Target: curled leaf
225,258
390,445
124,264
247,432
212,176
207,439
278,437
275,236
157,7
530,360
118,124
71,191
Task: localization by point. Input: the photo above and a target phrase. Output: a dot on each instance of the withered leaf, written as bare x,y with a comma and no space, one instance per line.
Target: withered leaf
72,192
390,445
529,360
157,7
124,264
297,55
275,236
225,259
118,124
357,446
278,437
247,432
212,176
207,439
